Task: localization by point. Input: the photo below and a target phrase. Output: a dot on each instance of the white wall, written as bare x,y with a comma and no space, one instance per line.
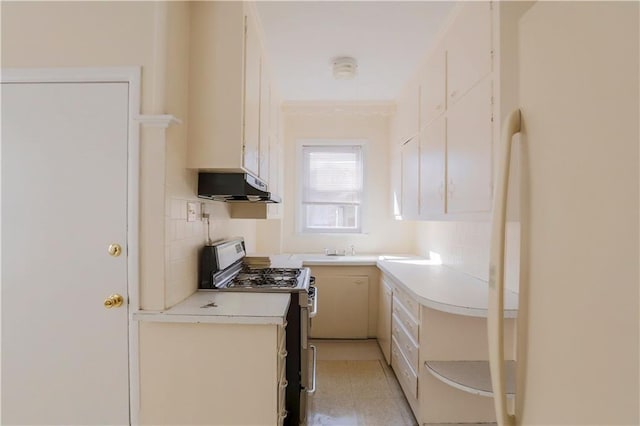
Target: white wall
465,247
345,121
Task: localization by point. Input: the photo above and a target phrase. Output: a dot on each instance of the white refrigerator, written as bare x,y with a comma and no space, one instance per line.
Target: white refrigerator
578,119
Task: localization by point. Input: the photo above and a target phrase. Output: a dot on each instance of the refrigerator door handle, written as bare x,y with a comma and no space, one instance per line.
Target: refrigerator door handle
495,317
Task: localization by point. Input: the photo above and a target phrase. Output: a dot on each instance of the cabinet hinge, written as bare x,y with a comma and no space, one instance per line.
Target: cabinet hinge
490,5
492,118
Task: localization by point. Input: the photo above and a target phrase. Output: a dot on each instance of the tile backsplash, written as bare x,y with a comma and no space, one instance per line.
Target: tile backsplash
183,240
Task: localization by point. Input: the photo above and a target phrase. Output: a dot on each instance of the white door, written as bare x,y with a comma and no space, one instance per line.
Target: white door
64,201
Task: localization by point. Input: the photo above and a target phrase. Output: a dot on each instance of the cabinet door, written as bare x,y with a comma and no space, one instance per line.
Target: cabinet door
384,319
274,210
432,169
469,142
410,179
343,307
433,88
407,114
396,180
265,109
252,59
469,49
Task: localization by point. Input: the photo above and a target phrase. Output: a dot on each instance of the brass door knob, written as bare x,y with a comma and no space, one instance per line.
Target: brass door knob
113,301
115,250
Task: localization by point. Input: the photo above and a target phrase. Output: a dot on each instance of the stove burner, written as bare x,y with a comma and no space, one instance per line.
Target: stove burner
266,277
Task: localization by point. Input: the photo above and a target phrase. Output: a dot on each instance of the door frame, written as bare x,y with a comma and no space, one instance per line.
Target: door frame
132,76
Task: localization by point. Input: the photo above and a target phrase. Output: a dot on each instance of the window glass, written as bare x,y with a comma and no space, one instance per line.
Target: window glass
331,188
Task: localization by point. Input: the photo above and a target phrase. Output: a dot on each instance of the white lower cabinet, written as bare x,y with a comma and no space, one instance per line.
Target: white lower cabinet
214,374
419,334
406,343
407,378
385,300
402,313
347,302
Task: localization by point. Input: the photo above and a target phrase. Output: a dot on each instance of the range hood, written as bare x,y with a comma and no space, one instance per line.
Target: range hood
234,188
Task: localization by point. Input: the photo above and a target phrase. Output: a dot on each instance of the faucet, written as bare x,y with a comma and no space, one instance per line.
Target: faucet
352,250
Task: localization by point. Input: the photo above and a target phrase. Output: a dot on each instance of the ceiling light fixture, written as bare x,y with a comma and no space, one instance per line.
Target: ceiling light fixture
344,68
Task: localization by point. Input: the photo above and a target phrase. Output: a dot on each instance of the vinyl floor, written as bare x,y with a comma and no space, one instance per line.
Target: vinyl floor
355,387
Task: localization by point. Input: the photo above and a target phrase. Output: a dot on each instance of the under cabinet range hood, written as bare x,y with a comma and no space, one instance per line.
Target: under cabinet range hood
234,188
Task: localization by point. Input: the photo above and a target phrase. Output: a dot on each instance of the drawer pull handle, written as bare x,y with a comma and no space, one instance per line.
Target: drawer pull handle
283,354
283,384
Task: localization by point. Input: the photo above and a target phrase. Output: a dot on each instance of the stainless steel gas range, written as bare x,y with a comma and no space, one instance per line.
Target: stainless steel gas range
222,268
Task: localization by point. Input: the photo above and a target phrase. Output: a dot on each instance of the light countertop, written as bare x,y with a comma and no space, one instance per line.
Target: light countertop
224,308
298,260
315,259
430,283
443,288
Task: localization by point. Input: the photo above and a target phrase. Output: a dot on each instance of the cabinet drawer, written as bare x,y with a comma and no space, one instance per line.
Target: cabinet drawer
408,302
407,346
409,323
406,376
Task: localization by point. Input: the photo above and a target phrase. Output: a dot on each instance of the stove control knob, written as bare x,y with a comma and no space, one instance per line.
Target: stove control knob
113,301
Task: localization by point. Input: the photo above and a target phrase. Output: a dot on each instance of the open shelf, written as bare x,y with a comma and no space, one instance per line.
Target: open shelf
471,376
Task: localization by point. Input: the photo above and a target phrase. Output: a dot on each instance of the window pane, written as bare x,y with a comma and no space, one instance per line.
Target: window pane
333,216
332,174
332,185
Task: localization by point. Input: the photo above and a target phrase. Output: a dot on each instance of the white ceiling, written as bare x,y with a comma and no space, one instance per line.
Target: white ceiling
388,39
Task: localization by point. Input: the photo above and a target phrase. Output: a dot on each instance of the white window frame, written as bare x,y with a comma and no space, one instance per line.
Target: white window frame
301,229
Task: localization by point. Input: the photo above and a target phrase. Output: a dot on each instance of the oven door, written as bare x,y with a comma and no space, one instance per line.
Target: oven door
308,361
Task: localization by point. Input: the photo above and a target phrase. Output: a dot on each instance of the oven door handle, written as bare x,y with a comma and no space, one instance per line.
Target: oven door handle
315,368
314,312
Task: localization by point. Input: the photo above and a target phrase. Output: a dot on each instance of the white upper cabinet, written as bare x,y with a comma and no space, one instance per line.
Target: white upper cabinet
276,159
432,169
407,113
433,96
229,90
410,179
216,83
446,170
252,71
468,43
264,127
469,143
396,180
